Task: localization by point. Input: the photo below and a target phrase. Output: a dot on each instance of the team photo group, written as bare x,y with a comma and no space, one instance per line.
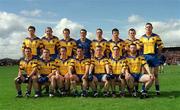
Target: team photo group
90,68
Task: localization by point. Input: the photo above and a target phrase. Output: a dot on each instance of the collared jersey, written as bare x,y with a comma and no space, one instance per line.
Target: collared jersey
120,44
99,65
117,65
62,65
51,43
103,43
46,67
135,63
80,65
28,66
70,46
35,44
151,44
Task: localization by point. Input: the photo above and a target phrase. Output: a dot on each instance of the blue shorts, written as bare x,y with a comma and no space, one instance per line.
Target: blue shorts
53,56
115,76
43,79
26,80
99,77
136,76
152,60
80,77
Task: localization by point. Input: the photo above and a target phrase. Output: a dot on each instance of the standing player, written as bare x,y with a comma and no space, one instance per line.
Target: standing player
135,64
116,41
51,42
99,71
99,41
152,47
27,70
85,43
69,43
79,69
132,39
33,42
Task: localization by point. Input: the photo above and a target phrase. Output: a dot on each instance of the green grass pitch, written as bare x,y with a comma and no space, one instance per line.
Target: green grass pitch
169,99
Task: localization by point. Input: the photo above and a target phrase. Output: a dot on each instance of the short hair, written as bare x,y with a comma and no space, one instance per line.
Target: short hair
149,24
46,50
49,28
98,46
63,47
28,48
116,47
132,29
80,47
32,27
132,44
84,30
99,29
115,30
66,29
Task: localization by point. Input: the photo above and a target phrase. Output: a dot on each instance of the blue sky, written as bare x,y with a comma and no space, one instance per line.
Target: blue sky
90,14
97,13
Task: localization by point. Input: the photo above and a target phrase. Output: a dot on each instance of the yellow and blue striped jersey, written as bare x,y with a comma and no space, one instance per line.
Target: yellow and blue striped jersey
28,66
120,44
103,43
35,44
46,67
135,63
99,65
128,42
70,45
80,65
62,65
51,44
116,65
151,44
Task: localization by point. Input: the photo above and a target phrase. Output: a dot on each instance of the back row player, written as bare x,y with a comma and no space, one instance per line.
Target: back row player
150,45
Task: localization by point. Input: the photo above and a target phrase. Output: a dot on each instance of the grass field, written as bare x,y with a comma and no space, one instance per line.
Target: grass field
169,99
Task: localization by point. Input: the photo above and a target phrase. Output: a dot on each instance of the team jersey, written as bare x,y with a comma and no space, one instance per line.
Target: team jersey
128,42
46,67
99,65
80,65
28,66
151,44
52,44
117,65
135,63
86,47
103,43
62,65
34,43
70,46
119,43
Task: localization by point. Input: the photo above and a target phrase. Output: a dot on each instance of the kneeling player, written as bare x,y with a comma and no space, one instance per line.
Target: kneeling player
62,77
118,69
79,69
28,65
135,63
99,72
46,70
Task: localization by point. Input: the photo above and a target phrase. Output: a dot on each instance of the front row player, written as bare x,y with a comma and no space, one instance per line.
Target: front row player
79,69
118,69
135,64
46,70
27,70
99,71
